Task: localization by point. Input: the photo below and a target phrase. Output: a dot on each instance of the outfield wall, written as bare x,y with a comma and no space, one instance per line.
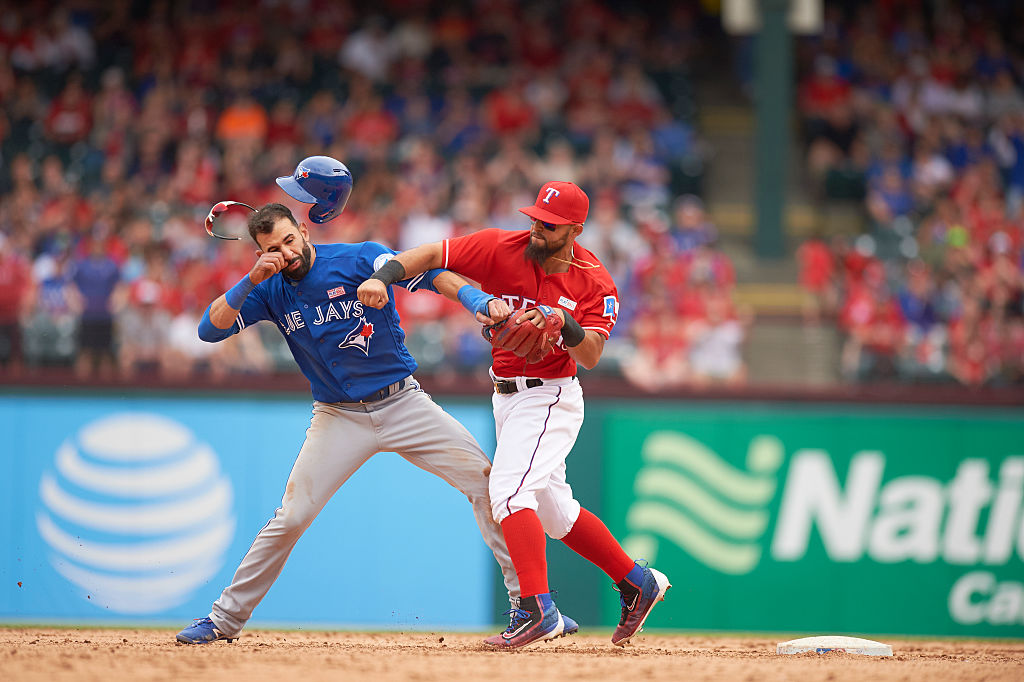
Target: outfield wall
824,518
136,507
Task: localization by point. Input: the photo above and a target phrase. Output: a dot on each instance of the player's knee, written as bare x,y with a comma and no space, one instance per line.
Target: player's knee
558,520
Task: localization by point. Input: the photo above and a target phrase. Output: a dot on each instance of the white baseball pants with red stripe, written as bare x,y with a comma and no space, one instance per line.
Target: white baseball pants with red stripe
536,428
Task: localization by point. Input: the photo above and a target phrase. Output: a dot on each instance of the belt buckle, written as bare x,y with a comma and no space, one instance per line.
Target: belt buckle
384,392
505,387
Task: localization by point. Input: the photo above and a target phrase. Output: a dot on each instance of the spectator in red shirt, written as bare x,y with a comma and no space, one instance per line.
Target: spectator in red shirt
823,89
508,114
875,329
70,117
195,175
633,98
817,277
370,128
538,45
659,361
970,363
15,292
704,263
284,125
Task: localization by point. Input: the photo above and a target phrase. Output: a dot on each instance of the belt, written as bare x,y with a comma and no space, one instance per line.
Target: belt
387,391
504,387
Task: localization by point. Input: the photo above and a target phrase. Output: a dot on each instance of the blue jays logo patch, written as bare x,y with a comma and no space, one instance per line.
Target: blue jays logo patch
359,337
611,307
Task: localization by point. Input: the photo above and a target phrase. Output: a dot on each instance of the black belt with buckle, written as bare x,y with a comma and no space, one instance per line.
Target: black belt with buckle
387,391
505,387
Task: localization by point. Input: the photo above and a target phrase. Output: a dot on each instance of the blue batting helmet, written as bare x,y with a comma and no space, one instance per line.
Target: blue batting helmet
322,181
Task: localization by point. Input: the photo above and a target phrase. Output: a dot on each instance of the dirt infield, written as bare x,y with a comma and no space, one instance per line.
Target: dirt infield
99,654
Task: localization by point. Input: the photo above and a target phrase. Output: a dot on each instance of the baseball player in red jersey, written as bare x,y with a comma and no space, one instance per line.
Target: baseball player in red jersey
538,407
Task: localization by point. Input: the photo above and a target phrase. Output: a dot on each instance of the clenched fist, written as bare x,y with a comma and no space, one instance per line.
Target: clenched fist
373,293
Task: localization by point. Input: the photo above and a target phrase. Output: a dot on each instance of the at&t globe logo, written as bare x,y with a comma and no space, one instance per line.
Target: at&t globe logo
136,512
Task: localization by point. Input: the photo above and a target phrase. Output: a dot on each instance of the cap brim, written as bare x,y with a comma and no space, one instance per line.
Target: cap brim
294,190
544,215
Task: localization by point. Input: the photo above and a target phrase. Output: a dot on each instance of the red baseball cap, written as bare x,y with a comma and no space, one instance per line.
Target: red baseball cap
560,203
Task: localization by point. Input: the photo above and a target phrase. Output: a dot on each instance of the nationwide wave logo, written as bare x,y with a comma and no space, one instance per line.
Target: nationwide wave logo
136,512
688,495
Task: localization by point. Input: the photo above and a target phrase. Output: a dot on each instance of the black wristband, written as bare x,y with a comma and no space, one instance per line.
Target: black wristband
572,332
390,272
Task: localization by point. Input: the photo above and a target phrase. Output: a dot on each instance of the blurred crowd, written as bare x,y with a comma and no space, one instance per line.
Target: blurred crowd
683,324
122,122
915,112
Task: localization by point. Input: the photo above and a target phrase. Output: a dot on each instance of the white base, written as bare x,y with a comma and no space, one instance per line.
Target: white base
823,644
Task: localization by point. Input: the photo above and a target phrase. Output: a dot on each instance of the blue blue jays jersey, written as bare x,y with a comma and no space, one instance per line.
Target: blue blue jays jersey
347,350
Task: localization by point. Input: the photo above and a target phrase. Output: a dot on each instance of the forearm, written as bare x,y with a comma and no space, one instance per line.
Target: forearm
209,330
448,284
588,352
423,258
222,315
583,345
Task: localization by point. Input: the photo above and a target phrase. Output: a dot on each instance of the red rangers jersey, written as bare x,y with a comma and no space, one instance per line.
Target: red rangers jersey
495,258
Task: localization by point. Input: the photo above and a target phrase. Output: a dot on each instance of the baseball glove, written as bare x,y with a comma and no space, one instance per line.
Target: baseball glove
526,339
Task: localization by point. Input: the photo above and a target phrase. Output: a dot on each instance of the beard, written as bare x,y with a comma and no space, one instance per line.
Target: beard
305,260
540,253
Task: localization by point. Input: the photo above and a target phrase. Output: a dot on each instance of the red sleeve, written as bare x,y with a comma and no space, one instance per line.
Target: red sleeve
472,255
602,308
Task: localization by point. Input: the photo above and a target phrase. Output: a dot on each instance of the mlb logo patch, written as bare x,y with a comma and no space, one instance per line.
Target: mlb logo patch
335,292
611,307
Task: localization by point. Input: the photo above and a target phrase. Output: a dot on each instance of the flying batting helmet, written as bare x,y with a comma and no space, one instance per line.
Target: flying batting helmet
322,181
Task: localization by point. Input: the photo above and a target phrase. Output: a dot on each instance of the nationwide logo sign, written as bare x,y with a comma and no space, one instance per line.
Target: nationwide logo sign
136,513
803,508
687,495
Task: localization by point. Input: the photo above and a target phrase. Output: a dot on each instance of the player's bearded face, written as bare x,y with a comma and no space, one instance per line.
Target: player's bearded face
304,260
542,246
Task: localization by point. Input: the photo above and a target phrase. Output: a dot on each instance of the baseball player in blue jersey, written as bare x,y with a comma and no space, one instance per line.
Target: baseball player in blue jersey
365,397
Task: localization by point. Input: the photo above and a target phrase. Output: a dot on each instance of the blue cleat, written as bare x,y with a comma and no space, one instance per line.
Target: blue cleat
202,631
637,603
530,623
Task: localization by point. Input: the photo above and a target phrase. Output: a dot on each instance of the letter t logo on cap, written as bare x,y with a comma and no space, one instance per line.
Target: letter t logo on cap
560,203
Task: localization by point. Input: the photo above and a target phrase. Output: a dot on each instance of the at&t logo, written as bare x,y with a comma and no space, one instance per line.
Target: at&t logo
136,512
